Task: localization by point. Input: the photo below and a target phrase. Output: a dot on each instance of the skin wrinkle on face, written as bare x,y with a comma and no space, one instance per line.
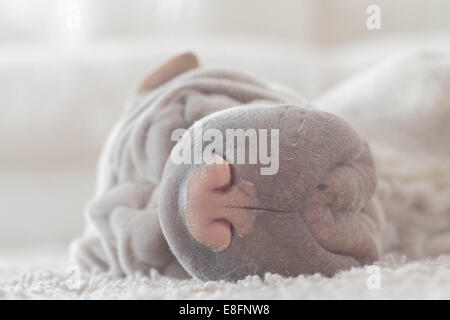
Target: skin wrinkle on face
340,214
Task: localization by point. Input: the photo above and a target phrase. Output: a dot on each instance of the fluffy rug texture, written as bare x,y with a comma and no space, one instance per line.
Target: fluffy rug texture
45,274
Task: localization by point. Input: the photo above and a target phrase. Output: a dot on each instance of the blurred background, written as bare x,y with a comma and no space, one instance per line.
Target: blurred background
68,66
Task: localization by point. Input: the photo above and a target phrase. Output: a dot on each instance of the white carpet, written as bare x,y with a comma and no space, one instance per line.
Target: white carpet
45,274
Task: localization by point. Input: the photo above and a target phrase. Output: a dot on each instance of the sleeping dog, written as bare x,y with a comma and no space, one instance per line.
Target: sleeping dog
215,174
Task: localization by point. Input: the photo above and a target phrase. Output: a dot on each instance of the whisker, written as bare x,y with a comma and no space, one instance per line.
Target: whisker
235,269
260,208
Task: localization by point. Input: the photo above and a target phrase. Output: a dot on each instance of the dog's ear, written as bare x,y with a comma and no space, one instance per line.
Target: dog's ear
169,70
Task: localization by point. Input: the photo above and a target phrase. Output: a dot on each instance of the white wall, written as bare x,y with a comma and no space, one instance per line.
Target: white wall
324,22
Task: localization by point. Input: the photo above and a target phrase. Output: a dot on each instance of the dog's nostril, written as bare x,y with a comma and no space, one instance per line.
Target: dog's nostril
322,186
232,229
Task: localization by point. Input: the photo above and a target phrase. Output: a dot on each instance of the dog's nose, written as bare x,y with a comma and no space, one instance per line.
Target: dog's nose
214,207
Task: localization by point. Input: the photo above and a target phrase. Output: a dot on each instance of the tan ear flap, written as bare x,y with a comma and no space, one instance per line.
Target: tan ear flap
169,70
